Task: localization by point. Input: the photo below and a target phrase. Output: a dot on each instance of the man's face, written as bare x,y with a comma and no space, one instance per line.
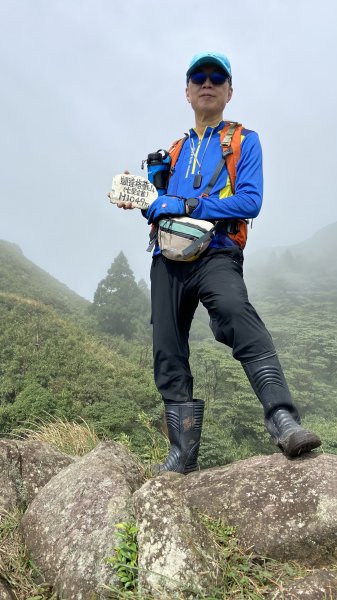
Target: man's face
208,98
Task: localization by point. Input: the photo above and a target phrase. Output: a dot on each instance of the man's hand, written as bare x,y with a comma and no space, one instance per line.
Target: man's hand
125,205
164,206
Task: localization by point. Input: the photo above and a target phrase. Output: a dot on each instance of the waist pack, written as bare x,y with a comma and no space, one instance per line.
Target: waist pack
184,238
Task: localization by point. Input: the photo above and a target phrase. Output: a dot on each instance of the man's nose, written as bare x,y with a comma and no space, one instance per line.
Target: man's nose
207,82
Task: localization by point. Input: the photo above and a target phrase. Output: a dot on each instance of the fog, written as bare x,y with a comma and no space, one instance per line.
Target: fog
89,88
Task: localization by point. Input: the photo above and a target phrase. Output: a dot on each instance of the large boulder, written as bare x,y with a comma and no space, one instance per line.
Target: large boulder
25,467
70,527
176,552
285,509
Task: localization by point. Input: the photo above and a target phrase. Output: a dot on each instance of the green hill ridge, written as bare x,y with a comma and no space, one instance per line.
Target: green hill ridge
53,362
20,276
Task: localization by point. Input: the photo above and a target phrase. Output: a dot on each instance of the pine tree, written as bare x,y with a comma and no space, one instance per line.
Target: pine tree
144,288
121,306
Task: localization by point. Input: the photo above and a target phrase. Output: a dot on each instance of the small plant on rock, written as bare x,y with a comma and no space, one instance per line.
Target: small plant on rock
125,559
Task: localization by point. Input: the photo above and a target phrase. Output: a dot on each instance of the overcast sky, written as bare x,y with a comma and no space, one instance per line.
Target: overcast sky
90,87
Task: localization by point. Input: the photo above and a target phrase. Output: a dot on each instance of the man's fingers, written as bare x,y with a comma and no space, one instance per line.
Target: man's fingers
125,205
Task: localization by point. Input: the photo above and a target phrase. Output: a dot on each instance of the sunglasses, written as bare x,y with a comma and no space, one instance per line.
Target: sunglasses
217,77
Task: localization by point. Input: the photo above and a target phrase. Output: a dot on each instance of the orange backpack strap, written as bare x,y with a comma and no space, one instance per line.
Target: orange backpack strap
230,140
229,156
175,150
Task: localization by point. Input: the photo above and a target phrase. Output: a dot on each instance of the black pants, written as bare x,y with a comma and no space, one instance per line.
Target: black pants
216,280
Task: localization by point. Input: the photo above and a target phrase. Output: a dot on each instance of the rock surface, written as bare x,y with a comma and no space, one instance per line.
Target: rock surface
70,526
176,552
320,585
285,509
25,467
10,479
5,592
39,463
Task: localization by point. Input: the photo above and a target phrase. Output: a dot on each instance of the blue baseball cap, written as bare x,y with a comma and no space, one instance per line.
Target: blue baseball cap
209,58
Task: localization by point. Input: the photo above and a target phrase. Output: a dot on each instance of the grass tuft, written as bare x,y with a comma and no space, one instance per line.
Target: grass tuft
73,438
156,448
246,575
16,568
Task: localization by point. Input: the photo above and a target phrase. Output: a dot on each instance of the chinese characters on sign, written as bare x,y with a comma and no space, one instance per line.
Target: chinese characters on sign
132,188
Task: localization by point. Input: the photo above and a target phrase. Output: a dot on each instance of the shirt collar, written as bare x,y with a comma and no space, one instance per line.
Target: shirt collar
207,131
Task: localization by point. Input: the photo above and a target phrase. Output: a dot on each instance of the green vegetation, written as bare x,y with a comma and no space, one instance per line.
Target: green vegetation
125,559
307,344
50,365
120,305
155,447
245,574
64,357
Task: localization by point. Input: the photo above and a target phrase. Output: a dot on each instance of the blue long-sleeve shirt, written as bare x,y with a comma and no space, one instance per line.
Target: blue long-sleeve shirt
203,155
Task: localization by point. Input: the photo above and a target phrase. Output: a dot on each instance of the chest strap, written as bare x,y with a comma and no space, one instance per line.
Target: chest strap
226,152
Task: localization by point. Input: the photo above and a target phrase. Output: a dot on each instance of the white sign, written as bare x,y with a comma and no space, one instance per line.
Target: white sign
132,188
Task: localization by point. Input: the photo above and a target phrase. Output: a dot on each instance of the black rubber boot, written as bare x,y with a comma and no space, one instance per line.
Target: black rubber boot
289,435
184,424
281,417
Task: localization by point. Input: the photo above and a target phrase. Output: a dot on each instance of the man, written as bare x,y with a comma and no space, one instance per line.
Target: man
201,188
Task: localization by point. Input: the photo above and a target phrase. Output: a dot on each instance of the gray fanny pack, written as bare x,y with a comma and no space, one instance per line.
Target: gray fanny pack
184,238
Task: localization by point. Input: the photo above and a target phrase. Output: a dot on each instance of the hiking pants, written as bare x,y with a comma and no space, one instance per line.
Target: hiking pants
216,280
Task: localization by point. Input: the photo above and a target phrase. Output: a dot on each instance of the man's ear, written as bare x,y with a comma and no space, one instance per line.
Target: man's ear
230,94
187,95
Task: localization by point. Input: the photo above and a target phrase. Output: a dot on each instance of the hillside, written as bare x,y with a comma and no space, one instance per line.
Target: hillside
21,277
304,272
51,366
53,363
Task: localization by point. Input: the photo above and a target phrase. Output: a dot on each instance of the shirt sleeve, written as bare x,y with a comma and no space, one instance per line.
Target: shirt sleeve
247,200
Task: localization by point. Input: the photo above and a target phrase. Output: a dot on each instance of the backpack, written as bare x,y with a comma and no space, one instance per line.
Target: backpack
230,141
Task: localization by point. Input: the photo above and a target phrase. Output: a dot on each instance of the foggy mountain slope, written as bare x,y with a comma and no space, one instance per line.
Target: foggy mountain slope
303,274
306,271
21,277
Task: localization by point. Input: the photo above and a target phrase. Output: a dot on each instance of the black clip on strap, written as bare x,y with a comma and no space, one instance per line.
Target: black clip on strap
153,239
